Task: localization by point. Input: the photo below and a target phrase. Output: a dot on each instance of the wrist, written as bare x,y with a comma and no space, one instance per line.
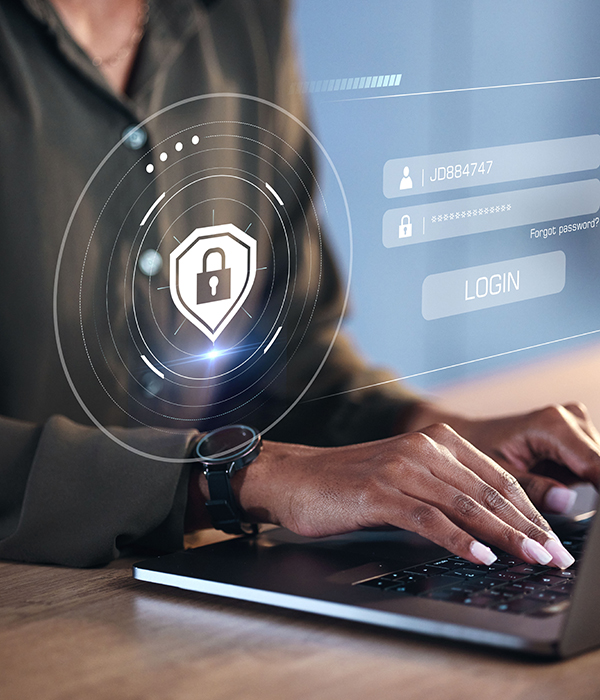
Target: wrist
250,487
249,490
220,454
277,487
250,495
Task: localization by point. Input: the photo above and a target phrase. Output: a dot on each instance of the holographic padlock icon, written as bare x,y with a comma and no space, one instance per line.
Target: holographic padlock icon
213,285
405,227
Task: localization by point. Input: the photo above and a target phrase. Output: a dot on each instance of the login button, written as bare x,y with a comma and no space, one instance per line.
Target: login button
481,287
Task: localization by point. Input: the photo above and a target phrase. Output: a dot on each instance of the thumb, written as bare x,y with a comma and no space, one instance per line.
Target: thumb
548,494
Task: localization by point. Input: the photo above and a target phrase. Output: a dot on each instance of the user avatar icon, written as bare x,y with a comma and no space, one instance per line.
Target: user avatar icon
406,183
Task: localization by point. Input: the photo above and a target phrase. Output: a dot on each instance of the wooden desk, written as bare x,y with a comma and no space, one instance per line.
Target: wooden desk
90,634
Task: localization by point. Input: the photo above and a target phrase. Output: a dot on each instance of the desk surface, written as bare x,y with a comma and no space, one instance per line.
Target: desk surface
97,633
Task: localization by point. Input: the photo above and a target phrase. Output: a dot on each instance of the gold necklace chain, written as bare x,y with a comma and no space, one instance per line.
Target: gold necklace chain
125,49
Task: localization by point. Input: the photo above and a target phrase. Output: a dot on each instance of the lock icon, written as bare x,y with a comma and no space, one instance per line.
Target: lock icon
213,285
405,227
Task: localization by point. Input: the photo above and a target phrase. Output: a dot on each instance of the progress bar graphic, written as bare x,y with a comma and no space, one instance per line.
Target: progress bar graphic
370,82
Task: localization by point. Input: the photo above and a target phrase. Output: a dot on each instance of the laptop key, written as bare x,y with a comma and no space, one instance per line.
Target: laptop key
500,594
427,569
448,563
480,600
513,589
378,583
530,585
471,586
423,585
459,573
529,569
470,573
509,559
484,569
394,576
448,595
566,574
521,605
403,576
479,584
507,575
547,579
497,591
458,563
549,596
468,586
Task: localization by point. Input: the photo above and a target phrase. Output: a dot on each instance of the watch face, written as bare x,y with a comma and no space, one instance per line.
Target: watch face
227,444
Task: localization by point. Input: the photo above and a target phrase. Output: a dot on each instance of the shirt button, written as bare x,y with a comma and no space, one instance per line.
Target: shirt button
135,137
150,262
151,383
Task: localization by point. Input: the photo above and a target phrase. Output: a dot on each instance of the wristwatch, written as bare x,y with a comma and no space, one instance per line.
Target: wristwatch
221,453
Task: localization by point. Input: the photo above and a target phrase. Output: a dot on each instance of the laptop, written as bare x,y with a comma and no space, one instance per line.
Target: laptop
399,580
465,137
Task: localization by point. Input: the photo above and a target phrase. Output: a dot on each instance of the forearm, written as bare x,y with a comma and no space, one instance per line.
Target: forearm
73,496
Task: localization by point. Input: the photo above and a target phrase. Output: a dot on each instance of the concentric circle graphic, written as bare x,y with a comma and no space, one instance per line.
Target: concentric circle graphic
204,279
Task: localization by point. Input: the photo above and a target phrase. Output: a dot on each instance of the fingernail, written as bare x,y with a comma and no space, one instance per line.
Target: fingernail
482,553
535,551
560,500
560,556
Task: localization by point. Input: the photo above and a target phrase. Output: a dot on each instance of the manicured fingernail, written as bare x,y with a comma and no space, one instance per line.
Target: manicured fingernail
560,556
482,553
535,551
560,500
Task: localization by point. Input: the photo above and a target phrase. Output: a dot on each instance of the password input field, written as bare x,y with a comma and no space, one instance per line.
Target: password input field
463,217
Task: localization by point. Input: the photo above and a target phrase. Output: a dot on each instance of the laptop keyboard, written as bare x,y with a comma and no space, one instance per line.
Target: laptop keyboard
509,585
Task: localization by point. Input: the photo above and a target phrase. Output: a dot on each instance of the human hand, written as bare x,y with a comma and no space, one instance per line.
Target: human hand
547,450
432,482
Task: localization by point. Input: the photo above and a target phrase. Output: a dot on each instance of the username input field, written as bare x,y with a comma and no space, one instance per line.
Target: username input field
462,217
487,166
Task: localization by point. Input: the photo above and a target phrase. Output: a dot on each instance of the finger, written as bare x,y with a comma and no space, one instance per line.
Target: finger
523,538
493,514
432,522
555,433
429,521
493,487
580,411
548,494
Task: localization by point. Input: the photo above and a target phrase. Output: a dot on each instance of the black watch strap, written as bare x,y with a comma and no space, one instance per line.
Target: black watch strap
222,452
222,508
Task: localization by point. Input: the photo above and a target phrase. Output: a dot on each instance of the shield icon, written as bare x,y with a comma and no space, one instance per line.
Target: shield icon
211,273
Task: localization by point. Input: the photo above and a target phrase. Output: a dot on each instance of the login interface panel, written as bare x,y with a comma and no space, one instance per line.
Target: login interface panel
466,136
